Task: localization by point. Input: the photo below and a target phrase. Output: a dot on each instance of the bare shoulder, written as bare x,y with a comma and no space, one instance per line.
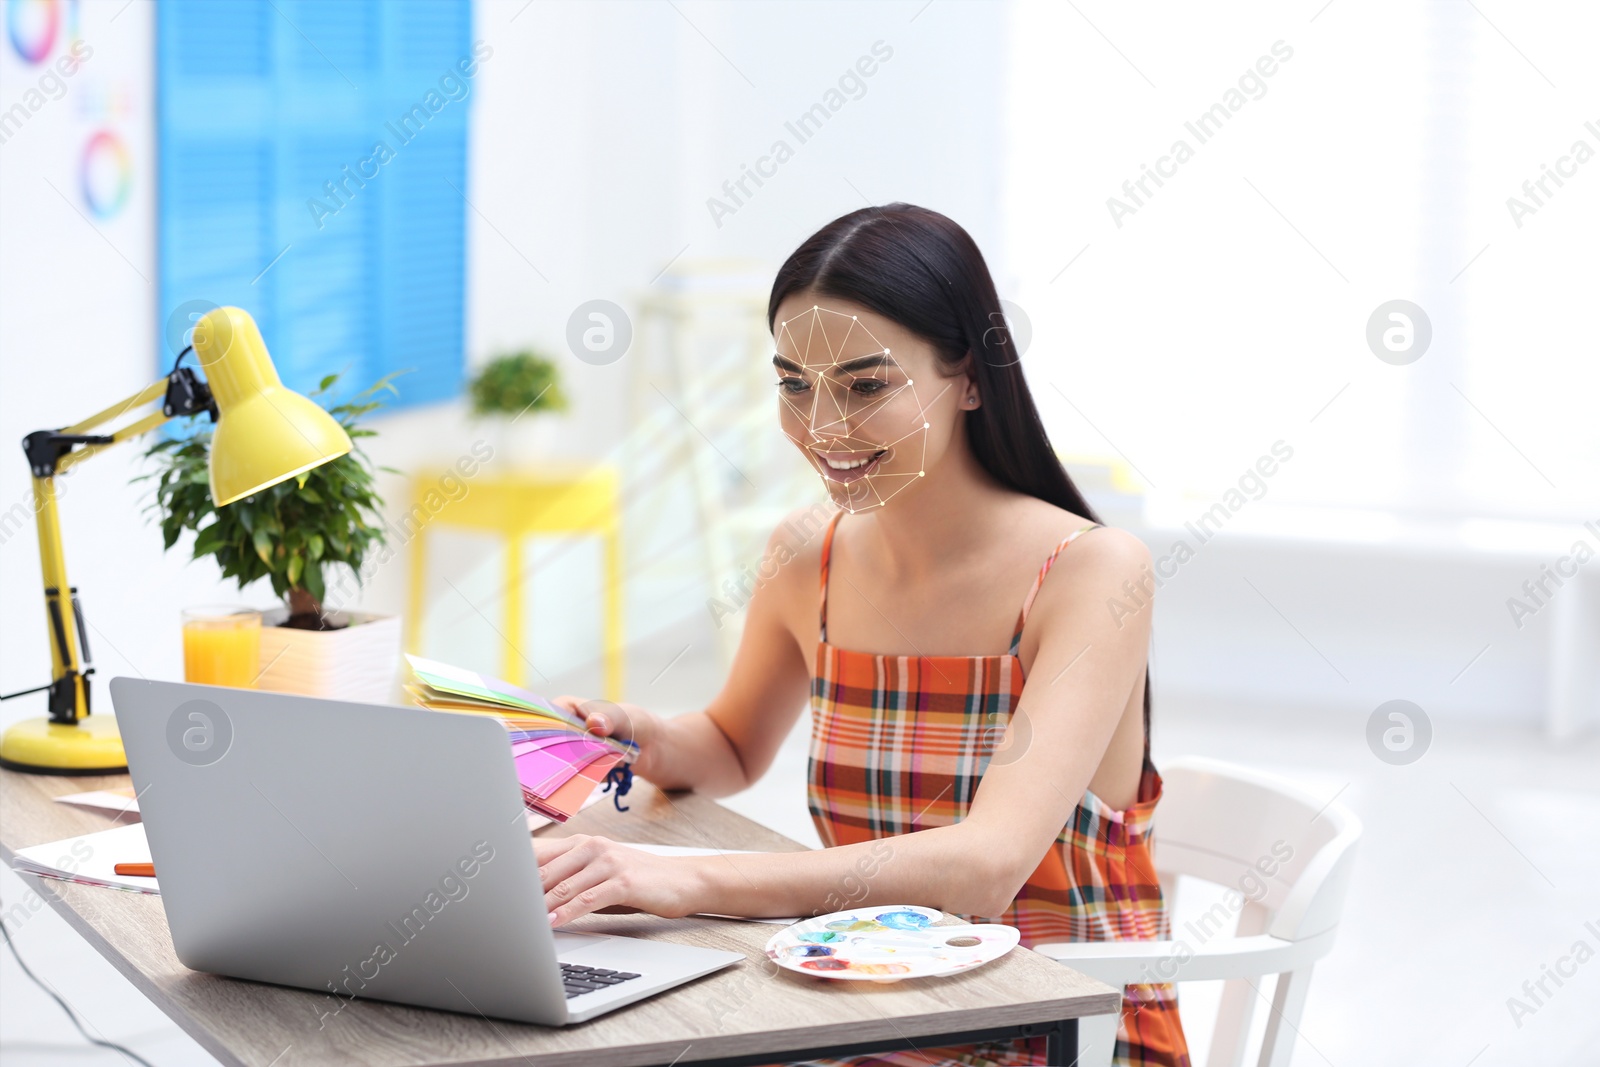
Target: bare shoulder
1097,557
793,556
1042,525
800,534
1099,580
1107,551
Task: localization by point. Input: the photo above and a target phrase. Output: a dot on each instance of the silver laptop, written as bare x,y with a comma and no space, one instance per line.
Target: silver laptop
364,852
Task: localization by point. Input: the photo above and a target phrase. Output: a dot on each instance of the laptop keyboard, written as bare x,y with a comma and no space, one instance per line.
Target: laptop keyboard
579,979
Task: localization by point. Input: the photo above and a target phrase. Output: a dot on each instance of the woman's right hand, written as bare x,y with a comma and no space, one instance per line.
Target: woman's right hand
625,722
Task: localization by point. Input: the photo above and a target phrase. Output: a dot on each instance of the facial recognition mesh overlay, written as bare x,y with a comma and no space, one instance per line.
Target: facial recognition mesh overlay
850,407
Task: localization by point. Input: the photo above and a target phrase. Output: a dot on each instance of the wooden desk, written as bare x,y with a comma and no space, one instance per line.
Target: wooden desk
750,1013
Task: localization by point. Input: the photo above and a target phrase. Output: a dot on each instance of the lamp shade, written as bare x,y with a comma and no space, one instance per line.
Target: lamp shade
265,432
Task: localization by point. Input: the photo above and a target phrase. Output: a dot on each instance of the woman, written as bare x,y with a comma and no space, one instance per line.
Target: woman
993,725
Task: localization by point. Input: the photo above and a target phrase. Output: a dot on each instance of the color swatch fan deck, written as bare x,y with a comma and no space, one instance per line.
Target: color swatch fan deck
559,763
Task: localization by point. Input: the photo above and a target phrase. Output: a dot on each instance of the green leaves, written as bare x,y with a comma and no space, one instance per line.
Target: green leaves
209,539
288,533
314,584
515,383
263,543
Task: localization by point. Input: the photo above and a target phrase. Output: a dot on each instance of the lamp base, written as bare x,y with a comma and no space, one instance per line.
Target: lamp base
39,746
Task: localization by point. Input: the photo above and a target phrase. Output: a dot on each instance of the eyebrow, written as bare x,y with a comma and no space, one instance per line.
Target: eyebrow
876,359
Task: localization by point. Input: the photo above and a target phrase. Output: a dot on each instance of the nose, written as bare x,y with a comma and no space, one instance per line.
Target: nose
829,417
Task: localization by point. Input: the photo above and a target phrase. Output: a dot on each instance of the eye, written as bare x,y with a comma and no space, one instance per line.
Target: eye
869,386
792,385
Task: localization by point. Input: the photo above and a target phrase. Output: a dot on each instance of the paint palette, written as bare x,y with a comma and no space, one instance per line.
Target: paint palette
886,944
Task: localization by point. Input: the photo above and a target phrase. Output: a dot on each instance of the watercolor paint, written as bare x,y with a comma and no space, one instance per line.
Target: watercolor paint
887,943
823,937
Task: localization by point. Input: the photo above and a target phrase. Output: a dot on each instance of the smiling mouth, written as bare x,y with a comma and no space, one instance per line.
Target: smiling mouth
849,466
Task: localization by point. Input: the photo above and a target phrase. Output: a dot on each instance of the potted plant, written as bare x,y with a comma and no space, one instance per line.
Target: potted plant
510,391
291,534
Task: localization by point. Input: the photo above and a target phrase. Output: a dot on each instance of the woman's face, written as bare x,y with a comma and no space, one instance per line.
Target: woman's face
863,398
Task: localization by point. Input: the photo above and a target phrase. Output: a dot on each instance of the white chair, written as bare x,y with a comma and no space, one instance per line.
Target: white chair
1286,855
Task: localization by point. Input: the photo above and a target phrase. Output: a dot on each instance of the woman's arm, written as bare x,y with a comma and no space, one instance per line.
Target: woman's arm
1080,684
729,745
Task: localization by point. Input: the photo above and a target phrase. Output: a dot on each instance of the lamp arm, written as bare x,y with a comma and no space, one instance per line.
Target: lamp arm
51,452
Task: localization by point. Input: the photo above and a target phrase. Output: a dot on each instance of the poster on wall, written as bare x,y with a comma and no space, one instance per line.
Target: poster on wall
77,262
58,88
77,194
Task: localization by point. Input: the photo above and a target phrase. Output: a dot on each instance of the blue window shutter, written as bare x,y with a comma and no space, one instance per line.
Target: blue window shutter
273,198
423,228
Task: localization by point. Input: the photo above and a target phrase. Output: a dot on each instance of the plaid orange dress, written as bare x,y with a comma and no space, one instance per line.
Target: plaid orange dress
899,744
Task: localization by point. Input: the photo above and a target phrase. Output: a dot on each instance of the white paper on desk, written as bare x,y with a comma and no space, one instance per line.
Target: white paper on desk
111,801
687,850
91,859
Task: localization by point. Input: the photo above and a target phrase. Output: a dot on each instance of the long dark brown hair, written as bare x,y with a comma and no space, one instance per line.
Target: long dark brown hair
920,269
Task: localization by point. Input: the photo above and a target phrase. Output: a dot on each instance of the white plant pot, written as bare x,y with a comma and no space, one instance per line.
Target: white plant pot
359,662
524,442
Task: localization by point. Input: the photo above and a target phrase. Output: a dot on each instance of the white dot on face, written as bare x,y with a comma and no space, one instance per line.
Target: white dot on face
852,318
924,426
921,473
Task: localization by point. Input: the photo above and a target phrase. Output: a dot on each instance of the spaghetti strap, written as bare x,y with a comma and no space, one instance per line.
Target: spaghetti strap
1027,604
827,550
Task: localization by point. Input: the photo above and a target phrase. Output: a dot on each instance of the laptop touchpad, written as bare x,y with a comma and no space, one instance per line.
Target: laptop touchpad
566,943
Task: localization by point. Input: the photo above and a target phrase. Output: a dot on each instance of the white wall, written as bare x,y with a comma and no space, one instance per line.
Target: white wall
603,129
1228,311
75,336
1374,163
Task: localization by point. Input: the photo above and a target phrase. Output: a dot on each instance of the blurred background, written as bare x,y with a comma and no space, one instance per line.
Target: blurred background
1354,238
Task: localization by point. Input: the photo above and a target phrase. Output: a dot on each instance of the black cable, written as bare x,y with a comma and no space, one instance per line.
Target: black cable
185,352
127,1052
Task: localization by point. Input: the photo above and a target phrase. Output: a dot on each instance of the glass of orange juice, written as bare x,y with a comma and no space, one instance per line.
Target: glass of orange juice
222,646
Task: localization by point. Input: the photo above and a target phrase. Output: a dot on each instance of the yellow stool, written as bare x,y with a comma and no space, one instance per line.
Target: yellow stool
515,505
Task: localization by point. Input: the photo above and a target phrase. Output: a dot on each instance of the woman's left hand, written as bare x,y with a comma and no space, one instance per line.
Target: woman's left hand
584,874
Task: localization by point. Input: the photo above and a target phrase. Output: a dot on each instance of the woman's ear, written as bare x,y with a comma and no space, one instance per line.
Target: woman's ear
970,398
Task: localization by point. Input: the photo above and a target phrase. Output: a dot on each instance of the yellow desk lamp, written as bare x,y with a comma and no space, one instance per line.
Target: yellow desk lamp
264,434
